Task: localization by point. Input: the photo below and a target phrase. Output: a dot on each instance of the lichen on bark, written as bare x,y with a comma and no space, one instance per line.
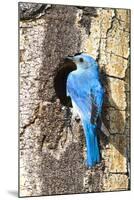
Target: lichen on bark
52,153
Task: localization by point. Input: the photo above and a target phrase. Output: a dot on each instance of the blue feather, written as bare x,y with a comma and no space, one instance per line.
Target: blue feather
93,154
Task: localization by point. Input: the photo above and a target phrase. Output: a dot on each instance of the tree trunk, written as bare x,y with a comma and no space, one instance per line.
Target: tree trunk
52,145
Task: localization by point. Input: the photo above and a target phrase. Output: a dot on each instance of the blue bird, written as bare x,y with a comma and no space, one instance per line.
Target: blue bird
87,93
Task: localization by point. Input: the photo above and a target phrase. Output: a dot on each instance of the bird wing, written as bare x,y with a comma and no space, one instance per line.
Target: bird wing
97,95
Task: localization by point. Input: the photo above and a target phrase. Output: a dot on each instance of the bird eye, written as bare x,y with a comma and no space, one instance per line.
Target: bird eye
81,60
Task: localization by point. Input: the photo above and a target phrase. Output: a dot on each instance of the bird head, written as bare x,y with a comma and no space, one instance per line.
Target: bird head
83,61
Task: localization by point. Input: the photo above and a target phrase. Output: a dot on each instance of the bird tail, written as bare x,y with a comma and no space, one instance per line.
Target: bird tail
93,154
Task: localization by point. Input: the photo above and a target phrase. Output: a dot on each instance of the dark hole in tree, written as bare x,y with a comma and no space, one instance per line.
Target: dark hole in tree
60,81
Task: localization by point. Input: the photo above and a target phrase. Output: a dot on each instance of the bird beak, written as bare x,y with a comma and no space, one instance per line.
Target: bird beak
69,58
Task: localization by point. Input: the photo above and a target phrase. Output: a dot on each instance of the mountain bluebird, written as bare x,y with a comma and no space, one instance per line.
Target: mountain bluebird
87,93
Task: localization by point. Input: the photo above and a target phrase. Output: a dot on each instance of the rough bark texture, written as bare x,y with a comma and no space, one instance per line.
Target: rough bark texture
52,146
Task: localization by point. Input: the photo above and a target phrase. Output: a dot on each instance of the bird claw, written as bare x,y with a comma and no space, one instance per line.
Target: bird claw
77,118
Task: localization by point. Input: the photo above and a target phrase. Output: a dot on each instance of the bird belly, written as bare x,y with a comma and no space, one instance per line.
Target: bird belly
75,111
